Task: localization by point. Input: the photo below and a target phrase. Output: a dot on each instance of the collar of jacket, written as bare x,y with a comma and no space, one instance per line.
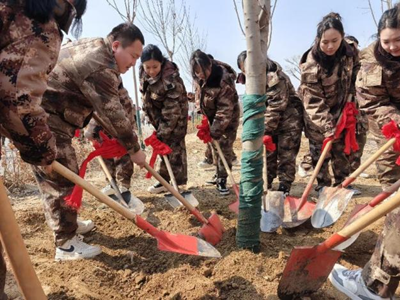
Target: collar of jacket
64,14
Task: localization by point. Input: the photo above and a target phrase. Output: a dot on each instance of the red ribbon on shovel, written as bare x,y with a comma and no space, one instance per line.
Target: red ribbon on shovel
204,131
269,144
109,148
391,130
348,121
159,148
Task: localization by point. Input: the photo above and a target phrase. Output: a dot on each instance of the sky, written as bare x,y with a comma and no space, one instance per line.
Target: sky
294,27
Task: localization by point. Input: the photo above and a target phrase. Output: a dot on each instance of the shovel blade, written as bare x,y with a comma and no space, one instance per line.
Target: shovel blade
330,206
212,232
292,215
358,211
185,244
272,213
136,205
175,203
306,271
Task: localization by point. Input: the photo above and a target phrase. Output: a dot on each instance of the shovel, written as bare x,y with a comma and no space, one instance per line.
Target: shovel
235,205
272,210
308,267
187,195
297,211
166,241
11,239
362,209
332,201
134,203
212,229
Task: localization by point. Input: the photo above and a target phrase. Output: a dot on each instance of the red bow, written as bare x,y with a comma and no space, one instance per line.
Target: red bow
109,148
391,130
204,131
159,148
348,122
269,144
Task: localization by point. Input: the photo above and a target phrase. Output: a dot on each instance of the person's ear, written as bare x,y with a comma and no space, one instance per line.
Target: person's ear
115,45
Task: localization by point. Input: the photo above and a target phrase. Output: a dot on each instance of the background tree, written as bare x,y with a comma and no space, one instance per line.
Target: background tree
385,5
293,66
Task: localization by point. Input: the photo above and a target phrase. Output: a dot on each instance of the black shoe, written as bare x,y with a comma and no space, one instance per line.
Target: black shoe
125,195
284,187
221,186
212,181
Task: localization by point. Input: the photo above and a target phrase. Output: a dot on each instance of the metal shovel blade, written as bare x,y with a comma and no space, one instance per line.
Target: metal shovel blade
358,211
212,232
292,215
306,271
175,203
330,206
272,213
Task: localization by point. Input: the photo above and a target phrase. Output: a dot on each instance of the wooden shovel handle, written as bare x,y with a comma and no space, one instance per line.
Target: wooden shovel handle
15,248
368,162
176,194
221,155
112,181
71,176
171,174
386,193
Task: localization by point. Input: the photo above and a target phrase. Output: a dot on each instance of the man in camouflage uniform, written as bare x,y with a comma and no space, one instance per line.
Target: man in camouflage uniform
120,168
218,101
29,47
86,79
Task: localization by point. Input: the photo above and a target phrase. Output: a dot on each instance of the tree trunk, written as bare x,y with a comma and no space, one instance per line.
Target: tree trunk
251,186
138,120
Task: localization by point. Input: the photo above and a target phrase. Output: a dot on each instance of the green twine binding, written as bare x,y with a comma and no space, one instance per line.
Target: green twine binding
251,182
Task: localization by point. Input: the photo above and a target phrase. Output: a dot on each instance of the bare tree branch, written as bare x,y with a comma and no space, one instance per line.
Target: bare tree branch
130,9
238,17
372,12
293,67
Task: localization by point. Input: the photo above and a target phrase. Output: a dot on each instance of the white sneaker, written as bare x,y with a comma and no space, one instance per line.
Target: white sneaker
75,248
108,190
365,175
303,173
205,165
84,226
157,188
351,284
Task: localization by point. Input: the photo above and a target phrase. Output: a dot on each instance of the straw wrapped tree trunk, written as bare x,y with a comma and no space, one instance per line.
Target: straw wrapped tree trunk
256,22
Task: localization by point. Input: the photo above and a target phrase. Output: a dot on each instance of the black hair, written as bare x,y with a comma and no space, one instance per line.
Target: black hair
330,21
201,59
241,58
152,52
210,56
80,7
352,38
271,65
390,19
126,33
41,11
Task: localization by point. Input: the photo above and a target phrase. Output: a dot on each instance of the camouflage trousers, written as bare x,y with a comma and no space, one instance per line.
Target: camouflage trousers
178,161
209,156
338,159
226,144
282,162
388,170
382,273
54,187
355,157
121,170
3,272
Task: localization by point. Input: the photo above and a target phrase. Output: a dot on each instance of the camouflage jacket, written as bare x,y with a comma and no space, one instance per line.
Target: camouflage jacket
165,102
218,100
323,96
378,91
86,79
28,53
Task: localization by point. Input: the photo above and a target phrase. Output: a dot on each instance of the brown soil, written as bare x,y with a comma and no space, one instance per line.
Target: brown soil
131,267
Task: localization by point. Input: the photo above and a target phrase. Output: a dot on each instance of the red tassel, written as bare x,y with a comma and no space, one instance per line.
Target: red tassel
348,122
109,148
204,131
391,130
159,148
269,144
77,133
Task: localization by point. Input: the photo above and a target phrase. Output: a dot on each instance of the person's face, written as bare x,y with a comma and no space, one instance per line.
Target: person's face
127,57
390,41
242,64
152,67
198,72
330,41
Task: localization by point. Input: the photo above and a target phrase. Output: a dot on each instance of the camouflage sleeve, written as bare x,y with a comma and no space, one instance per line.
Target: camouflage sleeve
171,111
277,101
373,97
102,90
224,111
356,69
127,104
313,98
